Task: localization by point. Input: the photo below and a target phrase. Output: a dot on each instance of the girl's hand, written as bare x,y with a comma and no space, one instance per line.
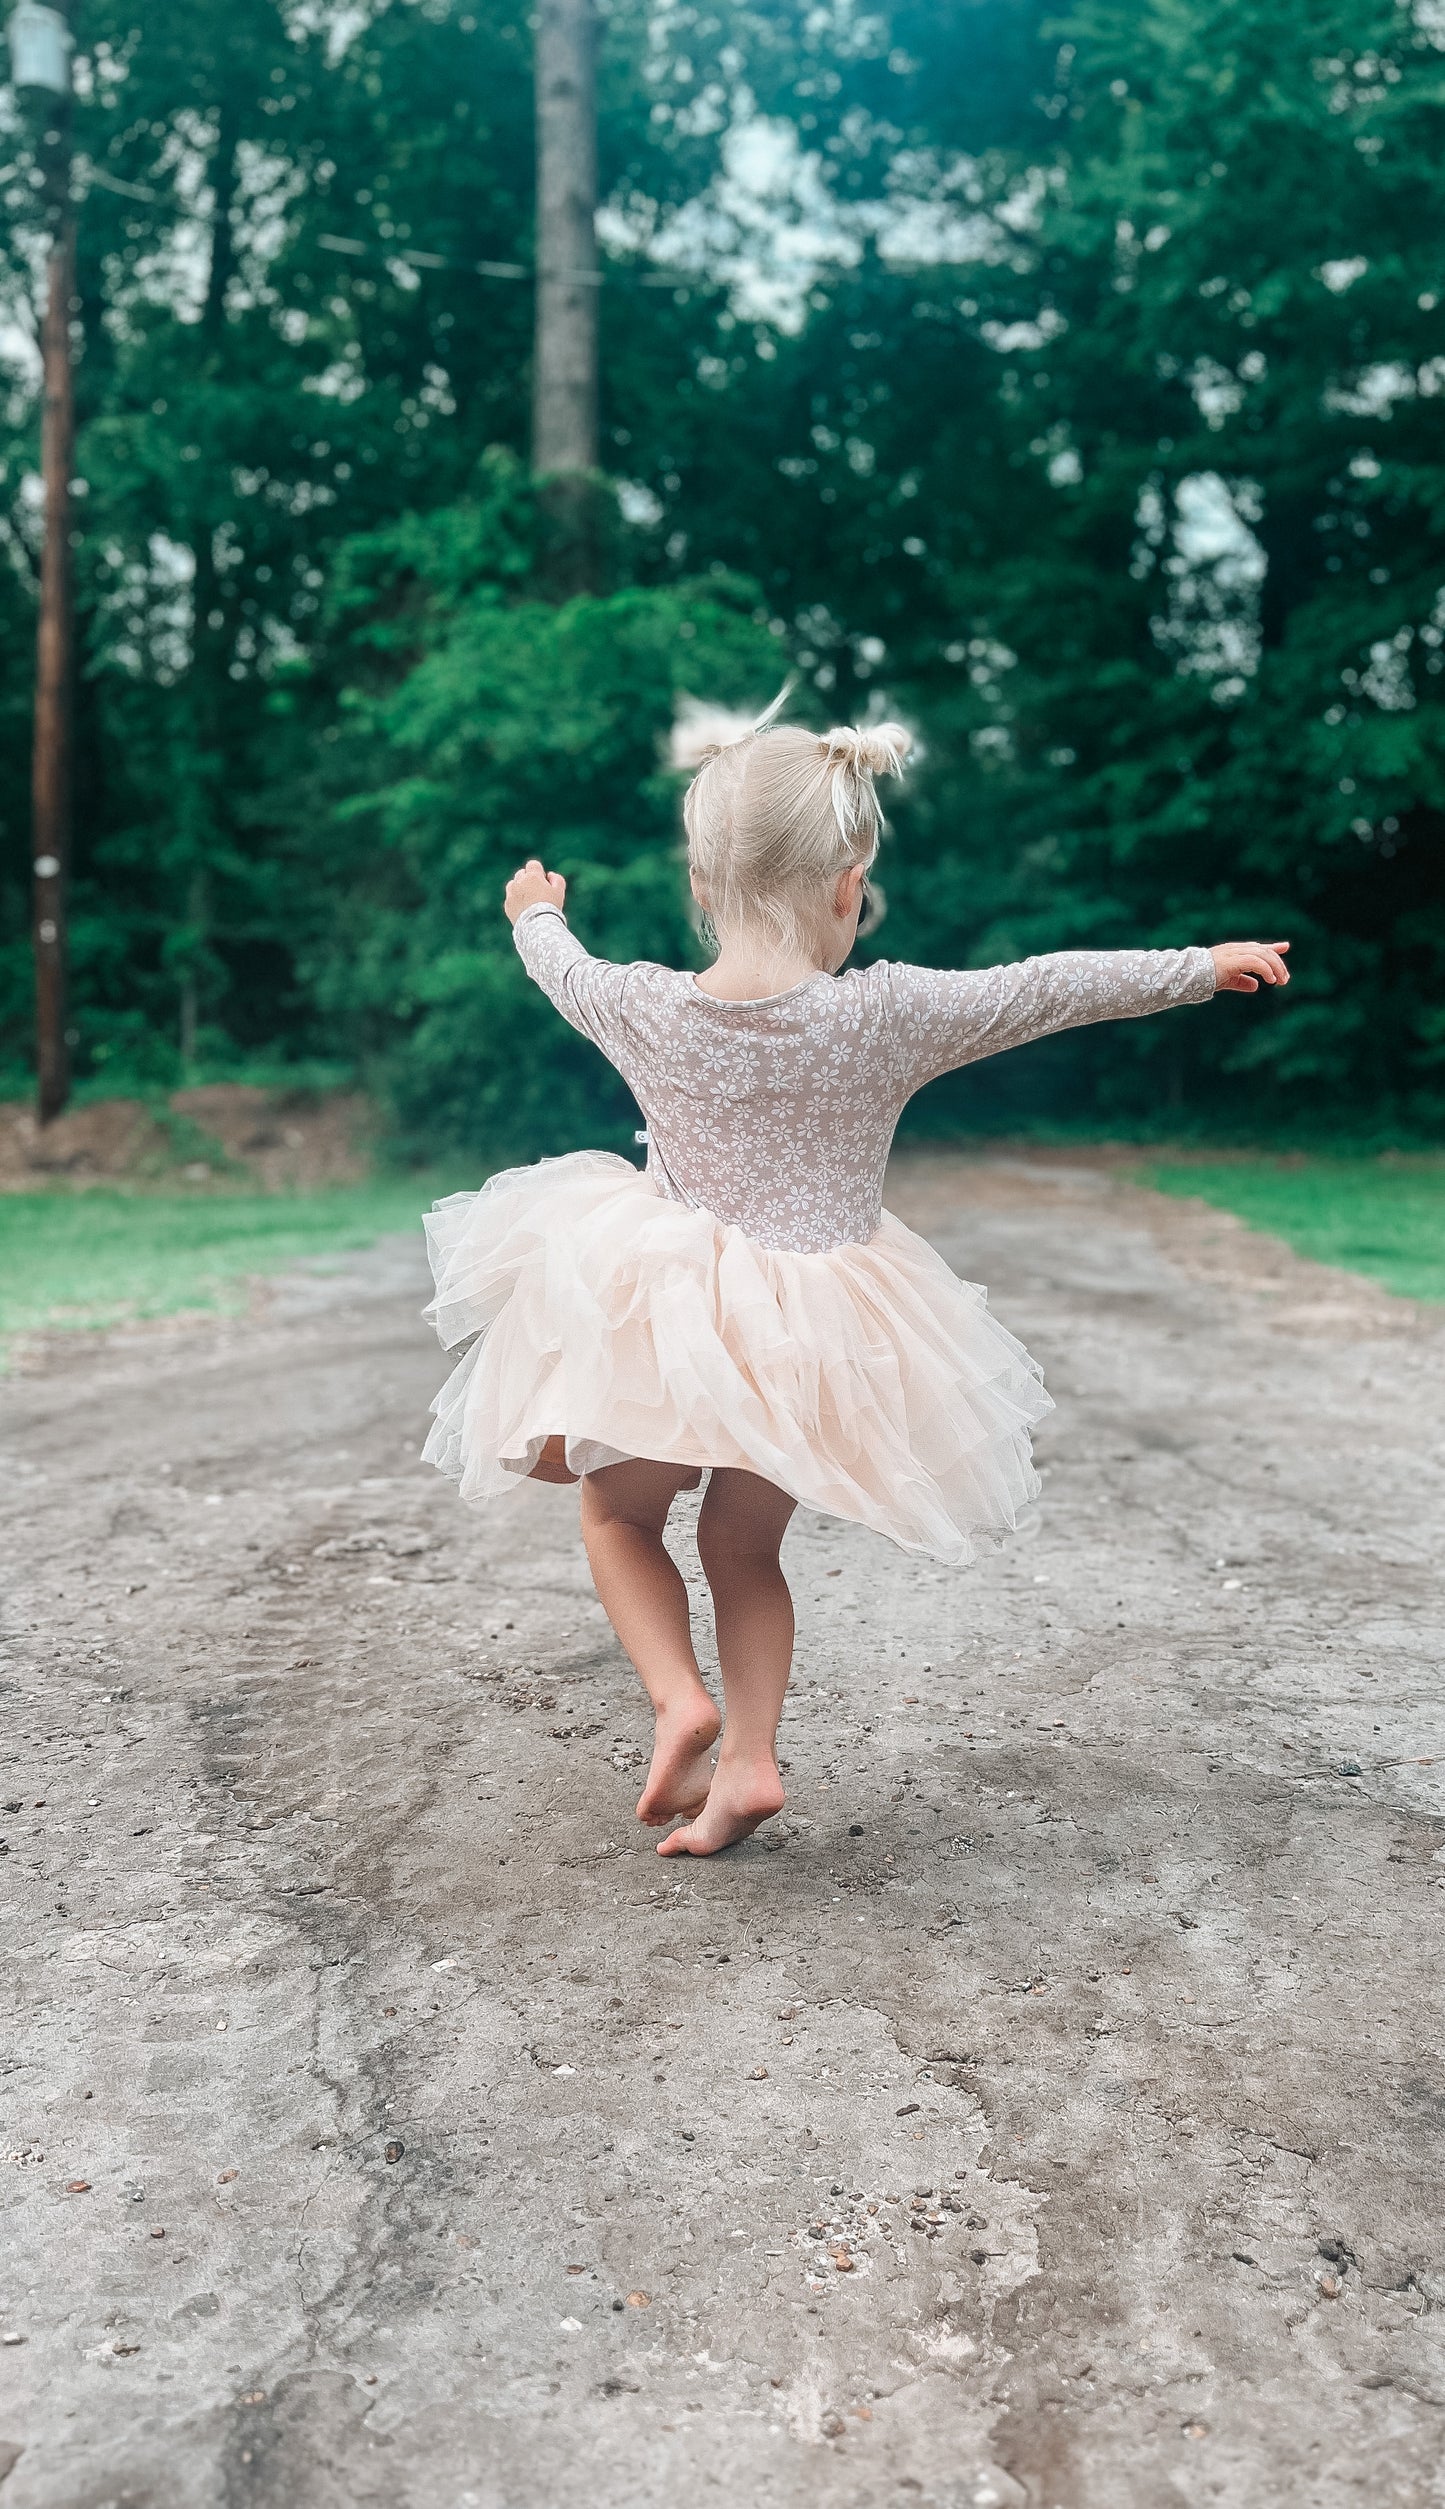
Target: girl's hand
1243,966
532,886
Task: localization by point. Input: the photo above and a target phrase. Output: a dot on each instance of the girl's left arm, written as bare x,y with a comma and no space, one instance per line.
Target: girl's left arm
948,1019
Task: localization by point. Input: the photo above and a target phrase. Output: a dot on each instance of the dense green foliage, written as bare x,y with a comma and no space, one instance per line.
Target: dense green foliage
475,724
1066,383
1382,1217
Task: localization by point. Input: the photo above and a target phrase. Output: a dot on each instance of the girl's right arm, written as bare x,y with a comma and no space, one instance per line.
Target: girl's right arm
586,990
948,1018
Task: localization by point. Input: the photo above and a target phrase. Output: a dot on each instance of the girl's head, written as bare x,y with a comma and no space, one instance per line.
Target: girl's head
782,826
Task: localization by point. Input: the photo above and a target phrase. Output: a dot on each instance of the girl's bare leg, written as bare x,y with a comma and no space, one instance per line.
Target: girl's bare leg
739,1534
624,1510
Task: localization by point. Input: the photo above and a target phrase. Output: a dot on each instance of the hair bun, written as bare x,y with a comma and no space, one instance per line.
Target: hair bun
701,731
850,756
878,749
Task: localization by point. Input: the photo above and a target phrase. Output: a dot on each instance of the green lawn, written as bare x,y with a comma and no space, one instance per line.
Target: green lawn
72,1260
1381,1216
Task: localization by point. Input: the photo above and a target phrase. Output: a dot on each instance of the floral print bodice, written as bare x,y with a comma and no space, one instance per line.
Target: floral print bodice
778,1115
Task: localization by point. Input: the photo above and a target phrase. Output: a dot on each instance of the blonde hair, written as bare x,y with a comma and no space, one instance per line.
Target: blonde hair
775,814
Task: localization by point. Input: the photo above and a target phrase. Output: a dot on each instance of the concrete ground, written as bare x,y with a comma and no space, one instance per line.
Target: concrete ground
380,2125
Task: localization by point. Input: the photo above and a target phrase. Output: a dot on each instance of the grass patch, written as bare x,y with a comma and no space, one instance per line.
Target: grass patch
1384,1217
70,1262
76,1261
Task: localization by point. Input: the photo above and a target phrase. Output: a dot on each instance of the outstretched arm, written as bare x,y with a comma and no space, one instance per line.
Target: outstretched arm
586,990
948,1019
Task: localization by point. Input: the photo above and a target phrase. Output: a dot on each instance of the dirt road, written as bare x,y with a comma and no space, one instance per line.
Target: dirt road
1051,2111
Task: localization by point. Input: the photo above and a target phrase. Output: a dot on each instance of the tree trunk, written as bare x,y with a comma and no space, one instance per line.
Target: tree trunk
51,768
201,765
564,373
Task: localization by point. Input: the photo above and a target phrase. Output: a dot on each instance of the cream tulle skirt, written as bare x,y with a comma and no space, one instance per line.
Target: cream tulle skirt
868,1382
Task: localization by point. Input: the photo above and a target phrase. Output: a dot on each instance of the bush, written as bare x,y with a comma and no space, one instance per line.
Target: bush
479,725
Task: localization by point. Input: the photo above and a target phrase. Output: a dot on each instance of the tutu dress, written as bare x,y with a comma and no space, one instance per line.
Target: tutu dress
746,1300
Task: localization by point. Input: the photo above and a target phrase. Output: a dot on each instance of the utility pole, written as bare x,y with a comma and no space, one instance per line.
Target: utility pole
40,48
564,373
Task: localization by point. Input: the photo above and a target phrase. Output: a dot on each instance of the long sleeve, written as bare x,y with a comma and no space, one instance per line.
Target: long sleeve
943,1019
587,991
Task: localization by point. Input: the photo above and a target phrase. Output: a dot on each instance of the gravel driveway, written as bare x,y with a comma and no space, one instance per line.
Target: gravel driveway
1050,2110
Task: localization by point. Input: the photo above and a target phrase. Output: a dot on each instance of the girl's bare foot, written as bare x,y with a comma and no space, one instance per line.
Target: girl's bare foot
681,1772
739,1802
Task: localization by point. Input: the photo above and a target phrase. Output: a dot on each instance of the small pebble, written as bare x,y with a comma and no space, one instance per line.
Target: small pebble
77,2186
226,2177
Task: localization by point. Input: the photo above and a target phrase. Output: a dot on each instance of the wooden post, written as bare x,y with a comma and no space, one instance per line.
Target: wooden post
50,783
41,43
564,373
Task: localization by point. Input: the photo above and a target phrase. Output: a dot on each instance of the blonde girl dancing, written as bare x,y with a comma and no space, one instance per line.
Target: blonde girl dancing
744,1307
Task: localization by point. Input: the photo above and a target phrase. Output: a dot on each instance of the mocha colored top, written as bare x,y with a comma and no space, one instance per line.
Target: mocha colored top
778,1115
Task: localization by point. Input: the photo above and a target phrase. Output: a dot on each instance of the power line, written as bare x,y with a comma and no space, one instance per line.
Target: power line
417,260
89,173
356,248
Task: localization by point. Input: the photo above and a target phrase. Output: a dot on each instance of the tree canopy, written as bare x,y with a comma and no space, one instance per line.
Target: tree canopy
1068,384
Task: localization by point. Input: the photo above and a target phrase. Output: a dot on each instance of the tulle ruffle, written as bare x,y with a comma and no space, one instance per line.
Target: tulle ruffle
868,1382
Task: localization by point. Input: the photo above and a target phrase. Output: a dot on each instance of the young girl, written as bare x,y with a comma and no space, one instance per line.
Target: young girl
746,1307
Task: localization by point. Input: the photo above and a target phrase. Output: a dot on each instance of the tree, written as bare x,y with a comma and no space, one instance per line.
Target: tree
1071,390
483,723
564,369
